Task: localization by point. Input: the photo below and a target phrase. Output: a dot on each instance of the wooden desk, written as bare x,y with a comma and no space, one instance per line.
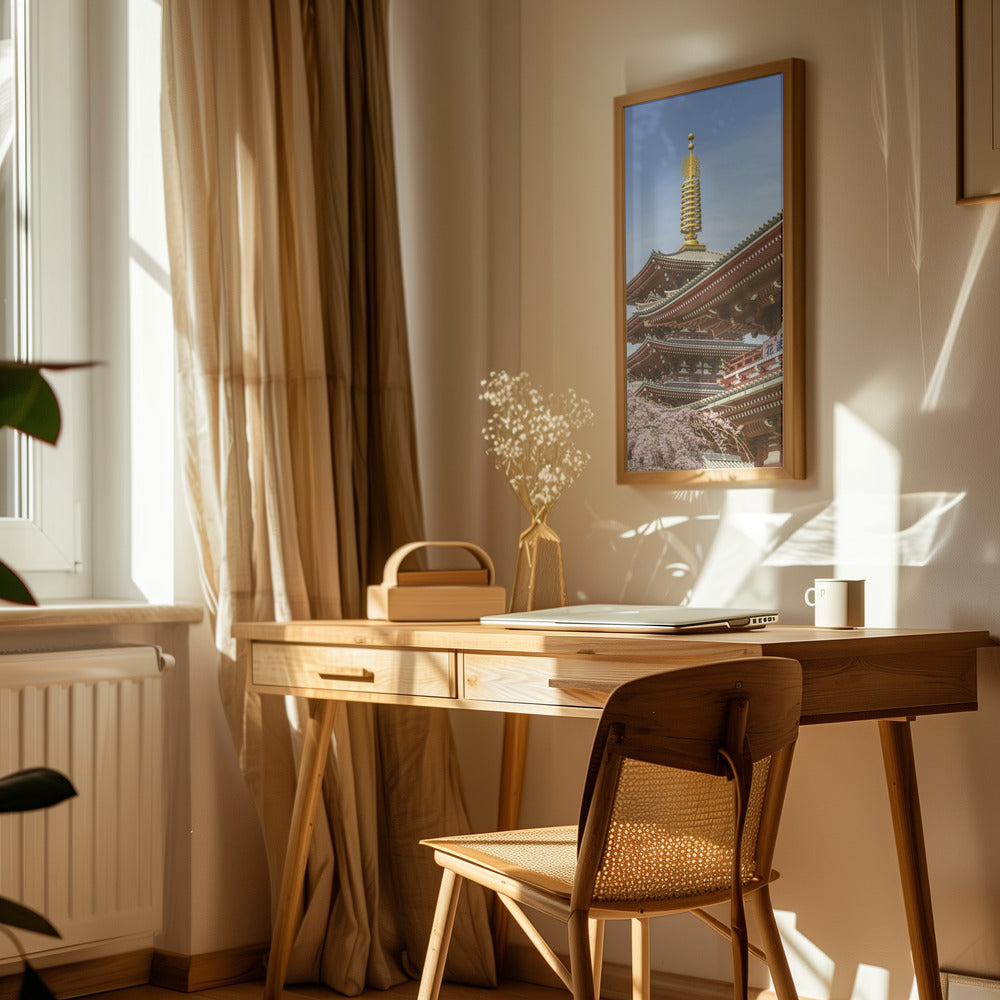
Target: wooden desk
889,675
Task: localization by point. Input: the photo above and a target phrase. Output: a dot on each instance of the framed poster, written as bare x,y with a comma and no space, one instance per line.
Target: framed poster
977,50
709,279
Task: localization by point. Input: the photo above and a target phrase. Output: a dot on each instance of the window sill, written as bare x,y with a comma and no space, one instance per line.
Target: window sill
78,614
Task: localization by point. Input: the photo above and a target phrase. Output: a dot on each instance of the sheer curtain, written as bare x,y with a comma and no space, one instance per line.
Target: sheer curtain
299,454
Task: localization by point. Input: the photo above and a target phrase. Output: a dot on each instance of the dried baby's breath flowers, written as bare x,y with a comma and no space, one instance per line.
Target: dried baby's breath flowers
530,438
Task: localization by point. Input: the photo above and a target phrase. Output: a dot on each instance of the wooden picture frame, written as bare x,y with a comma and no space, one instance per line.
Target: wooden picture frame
709,347
977,91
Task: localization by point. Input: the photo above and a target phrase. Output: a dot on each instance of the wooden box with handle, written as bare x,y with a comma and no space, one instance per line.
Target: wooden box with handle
436,595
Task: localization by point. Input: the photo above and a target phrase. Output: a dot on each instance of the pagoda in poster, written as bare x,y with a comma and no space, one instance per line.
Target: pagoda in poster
704,329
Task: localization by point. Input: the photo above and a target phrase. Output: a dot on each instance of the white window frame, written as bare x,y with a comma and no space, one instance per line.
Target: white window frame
49,546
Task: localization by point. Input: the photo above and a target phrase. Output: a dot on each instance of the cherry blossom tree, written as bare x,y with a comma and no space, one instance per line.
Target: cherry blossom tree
662,437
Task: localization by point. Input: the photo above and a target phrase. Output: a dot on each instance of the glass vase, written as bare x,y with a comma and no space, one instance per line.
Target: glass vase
539,581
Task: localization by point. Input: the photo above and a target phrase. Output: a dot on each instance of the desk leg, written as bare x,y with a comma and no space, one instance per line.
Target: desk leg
515,745
901,780
315,746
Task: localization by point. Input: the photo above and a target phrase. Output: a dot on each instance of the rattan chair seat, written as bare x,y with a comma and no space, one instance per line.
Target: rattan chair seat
687,866
544,857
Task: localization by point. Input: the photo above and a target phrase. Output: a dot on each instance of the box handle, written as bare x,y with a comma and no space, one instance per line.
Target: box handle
389,574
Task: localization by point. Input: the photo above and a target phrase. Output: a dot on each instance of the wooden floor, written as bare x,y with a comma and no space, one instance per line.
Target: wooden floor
408,991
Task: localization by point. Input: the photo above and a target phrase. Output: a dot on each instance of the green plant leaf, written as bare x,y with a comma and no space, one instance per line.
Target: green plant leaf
32,987
15,915
34,788
12,587
27,402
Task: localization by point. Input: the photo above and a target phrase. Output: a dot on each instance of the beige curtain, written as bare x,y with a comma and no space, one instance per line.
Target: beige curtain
299,456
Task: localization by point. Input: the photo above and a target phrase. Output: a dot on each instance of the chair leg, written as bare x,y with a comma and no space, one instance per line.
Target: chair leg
741,959
777,962
640,959
437,947
597,951
580,964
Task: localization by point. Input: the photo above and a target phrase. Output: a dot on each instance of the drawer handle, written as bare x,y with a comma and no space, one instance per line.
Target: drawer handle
579,684
348,674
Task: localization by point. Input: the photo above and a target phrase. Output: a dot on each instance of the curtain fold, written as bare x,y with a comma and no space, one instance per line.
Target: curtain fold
299,448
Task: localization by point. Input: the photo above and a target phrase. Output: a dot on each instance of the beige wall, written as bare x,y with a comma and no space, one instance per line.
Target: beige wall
503,119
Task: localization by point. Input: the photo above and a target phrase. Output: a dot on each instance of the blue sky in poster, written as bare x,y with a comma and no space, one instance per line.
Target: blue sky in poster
737,138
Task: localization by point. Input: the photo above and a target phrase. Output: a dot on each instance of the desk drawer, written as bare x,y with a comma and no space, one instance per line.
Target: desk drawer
428,673
581,682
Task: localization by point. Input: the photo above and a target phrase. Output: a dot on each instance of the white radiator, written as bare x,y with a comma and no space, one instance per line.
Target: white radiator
92,865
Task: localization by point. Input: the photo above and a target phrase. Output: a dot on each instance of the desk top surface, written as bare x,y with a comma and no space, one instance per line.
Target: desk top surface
800,641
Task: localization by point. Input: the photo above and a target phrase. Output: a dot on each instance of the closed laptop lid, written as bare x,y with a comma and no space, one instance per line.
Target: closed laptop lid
635,618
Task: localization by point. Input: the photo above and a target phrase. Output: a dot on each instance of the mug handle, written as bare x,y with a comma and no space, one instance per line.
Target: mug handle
812,591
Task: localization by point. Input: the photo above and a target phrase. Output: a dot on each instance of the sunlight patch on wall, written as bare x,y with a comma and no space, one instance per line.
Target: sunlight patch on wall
816,536
987,223
150,328
747,526
866,475
871,983
811,968
925,522
653,527
656,551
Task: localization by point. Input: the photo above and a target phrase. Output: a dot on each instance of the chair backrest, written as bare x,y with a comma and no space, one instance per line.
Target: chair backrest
688,774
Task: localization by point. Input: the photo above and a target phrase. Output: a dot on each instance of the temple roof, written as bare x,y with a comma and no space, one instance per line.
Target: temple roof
692,346
665,272
703,256
722,265
762,393
733,290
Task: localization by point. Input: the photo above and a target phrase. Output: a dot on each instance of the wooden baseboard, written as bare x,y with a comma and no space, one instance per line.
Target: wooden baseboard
190,973
93,975
184,973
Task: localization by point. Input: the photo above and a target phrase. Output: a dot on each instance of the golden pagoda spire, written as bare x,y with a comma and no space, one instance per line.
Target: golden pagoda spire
691,199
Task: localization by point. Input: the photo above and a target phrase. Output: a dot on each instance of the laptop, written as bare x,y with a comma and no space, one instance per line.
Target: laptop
654,618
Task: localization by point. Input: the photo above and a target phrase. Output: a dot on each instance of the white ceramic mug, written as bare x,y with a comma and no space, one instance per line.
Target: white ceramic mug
838,603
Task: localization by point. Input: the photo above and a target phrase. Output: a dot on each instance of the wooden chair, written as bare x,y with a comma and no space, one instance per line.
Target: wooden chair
680,810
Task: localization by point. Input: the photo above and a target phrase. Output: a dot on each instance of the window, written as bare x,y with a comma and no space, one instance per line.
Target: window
44,281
